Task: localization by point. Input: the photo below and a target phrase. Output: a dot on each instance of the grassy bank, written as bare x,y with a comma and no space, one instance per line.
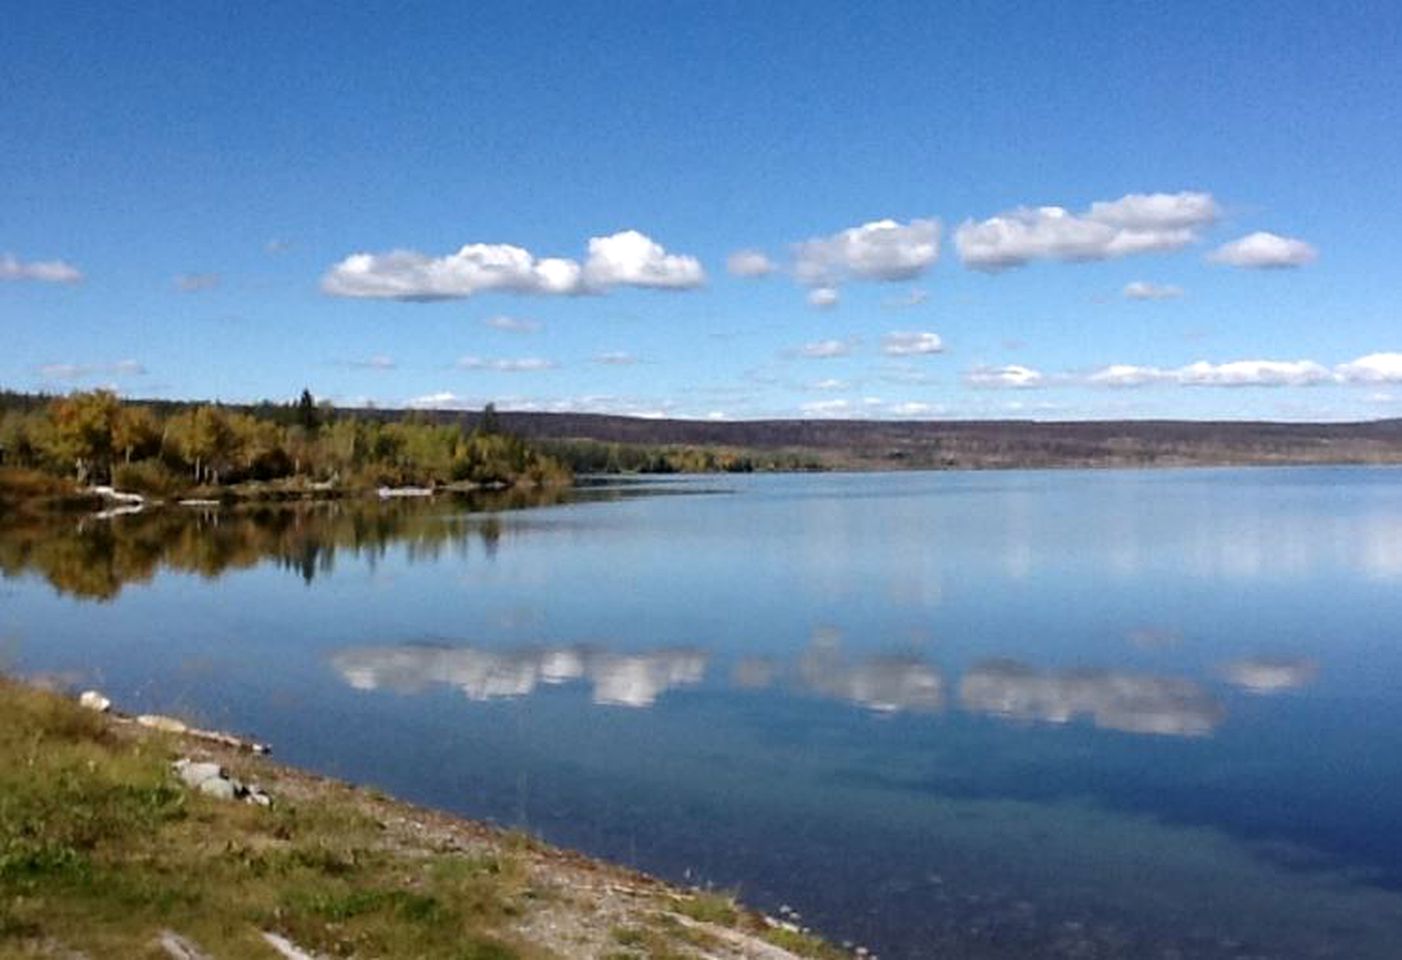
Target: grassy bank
104,852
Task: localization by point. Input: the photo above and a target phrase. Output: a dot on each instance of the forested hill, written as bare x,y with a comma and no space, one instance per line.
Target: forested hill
881,444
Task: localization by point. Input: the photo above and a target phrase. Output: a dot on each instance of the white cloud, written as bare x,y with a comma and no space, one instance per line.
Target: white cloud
512,324
1013,376
84,371
628,258
914,409
1135,223
1374,368
825,349
1235,373
830,383
41,271
822,297
632,259
514,365
1262,250
1128,375
911,343
616,358
196,282
749,263
443,400
1143,290
377,362
1252,373
879,250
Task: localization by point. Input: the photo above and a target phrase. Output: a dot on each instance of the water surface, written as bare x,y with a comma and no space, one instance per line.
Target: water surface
1061,714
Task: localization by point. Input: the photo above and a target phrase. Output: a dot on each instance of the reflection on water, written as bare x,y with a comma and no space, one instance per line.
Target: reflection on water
1115,701
886,684
626,680
1028,715
1267,675
1130,703
94,557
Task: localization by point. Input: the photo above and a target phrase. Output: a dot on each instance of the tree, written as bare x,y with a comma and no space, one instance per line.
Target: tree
135,433
81,435
489,424
308,416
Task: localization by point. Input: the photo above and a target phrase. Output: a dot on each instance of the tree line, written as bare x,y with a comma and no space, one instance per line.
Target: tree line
94,437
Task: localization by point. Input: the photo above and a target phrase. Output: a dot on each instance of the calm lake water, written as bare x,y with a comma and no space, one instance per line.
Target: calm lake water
972,715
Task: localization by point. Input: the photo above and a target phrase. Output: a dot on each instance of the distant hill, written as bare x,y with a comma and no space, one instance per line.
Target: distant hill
885,444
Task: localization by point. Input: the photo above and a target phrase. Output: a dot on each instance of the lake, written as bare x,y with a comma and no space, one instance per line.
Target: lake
1139,714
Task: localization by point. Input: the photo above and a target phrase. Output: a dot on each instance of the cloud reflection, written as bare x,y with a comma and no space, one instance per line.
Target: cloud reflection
886,684
1133,703
1270,675
628,680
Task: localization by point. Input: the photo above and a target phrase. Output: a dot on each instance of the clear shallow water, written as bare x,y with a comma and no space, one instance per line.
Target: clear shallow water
1119,714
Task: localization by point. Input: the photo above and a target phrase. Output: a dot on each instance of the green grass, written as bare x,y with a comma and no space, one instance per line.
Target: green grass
100,849
710,908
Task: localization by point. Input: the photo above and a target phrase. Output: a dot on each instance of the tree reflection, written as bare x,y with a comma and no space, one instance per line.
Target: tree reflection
95,557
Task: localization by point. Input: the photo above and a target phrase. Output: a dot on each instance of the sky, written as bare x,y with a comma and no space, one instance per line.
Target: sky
710,210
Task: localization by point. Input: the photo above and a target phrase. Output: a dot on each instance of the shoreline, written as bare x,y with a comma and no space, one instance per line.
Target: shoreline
105,501
368,865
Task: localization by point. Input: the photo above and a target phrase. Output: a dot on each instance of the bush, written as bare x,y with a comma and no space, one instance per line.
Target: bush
149,477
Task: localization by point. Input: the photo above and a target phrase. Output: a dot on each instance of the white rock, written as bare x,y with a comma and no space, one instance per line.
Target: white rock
158,722
219,788
194,774
94,701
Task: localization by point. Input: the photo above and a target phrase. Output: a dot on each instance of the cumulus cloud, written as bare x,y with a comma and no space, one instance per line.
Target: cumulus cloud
1135,223
911,343
632,259
627,258
1127,375
749,263
1143,290
879,250
508,365
1374,368
825,349
40,271
1012,375
1263,251
196,282
512,324
616,358
85,371
822,297
443,400
1245,373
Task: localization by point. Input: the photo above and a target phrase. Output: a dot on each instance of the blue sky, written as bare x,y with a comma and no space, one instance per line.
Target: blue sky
1044,201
